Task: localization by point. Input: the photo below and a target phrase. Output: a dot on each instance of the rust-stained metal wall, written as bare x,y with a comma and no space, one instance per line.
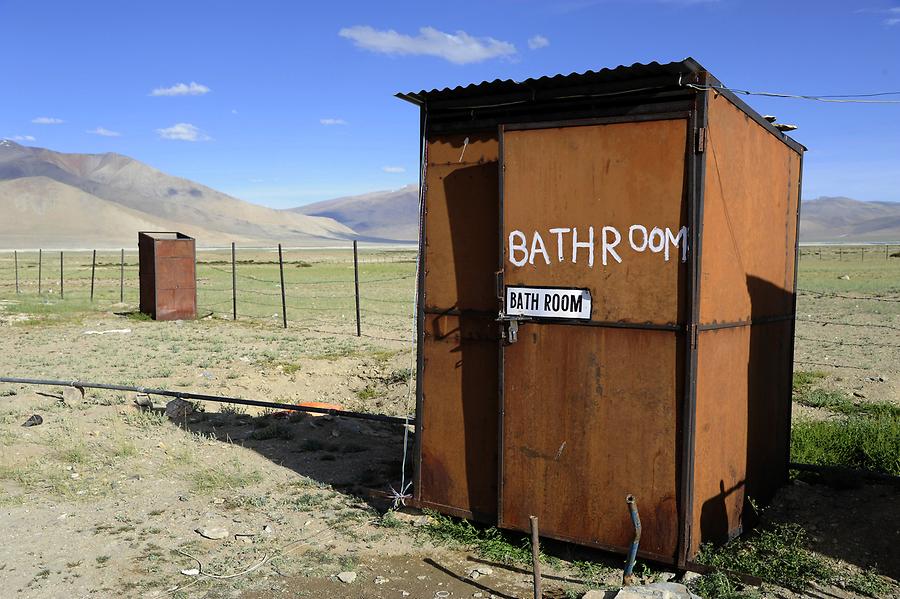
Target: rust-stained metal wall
167,269
751,200
678,389
457,409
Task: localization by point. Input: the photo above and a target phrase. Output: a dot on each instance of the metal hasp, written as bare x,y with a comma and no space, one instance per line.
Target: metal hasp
167,263
628,577
673,207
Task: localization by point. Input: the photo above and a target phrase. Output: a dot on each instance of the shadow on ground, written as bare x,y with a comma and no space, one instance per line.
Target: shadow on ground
358,457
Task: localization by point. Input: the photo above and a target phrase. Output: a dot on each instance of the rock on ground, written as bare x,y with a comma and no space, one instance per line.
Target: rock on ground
179,409
347,577
657,590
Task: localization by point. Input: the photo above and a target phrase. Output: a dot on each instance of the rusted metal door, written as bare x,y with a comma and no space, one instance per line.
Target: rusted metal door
594,301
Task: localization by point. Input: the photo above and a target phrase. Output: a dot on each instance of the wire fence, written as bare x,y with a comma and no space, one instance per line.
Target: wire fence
849,253
369,290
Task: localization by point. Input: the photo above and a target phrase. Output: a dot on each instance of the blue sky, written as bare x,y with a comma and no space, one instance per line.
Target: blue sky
284,103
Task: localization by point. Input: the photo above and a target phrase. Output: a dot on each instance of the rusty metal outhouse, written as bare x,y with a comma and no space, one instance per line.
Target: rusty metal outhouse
168,281
607,299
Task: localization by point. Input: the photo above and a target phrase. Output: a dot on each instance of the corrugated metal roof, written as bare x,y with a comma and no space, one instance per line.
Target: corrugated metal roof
619,73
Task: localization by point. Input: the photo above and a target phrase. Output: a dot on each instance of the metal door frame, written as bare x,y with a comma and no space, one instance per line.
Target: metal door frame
694,176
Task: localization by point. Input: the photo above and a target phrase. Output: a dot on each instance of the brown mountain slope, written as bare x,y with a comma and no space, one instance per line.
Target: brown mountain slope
844,220
131,184
41,212
390,215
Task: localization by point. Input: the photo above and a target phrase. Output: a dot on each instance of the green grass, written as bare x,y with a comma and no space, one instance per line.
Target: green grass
858,442
776,554
230,476
804,379
488,542
840,403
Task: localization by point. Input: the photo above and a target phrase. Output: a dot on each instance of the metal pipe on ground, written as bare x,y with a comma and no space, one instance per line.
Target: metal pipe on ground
81,385
628,576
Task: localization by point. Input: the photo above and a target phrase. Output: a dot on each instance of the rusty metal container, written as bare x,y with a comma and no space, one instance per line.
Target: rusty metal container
607,299
168,281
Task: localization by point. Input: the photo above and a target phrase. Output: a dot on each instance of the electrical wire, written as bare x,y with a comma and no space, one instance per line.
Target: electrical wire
837,99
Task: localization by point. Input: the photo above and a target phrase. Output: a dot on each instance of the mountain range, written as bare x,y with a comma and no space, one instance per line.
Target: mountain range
59,200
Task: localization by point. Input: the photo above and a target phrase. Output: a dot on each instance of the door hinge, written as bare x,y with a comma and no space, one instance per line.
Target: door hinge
701,140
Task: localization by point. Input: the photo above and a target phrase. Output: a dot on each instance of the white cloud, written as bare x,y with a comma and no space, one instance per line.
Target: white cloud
538,41
329,122
183,132
23,138
46,120
458,48
182,89
104,132
393,169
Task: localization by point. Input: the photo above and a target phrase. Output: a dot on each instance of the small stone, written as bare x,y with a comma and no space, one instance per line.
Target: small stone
844,277
143,400
421,577
480,571
190,572
347,577
268,529
218,501
179,409
73,395
74,475
657,590
381,580
33,420
404,593
215,533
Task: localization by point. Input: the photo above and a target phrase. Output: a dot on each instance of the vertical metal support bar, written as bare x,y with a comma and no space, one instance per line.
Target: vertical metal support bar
356,287
40,268
233,283
122,277
16,260
281,273
628,576
696,167
62,291
93,269
419,303
535,556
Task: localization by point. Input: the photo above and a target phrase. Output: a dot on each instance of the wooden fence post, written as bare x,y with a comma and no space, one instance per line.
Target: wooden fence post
356,287
233,283
281,273
93,269
62,292
122,277
40,268
16,259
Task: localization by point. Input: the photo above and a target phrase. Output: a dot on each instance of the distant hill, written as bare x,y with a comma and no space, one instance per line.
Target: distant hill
844,220
384,215
52,199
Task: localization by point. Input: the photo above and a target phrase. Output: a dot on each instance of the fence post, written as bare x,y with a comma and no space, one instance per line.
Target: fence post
281,273
862,254
40,267
93,268
886,250
841,254
356,286
62,292
16,260
233,283
122,277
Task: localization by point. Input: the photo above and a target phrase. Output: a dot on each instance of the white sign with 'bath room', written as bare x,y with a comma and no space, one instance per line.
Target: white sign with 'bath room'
548,302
